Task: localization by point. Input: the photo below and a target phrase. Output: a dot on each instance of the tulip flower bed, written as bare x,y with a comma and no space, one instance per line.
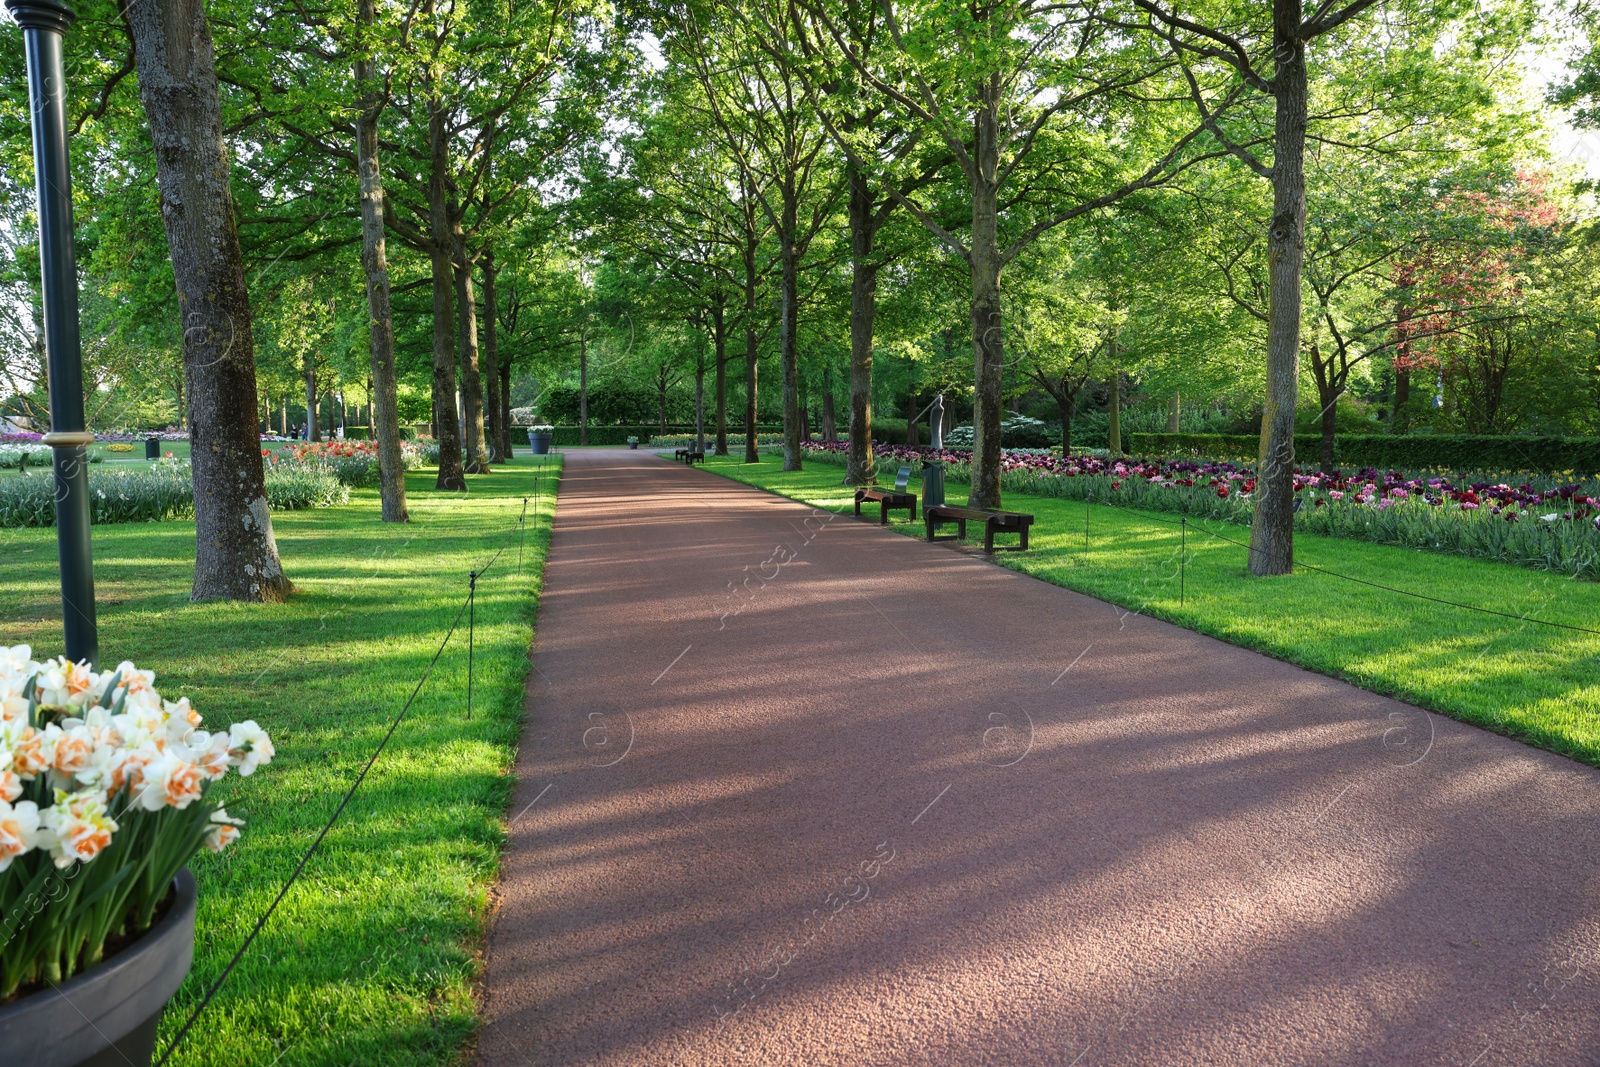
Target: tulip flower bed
1515,677
373,955
1546,523
355,463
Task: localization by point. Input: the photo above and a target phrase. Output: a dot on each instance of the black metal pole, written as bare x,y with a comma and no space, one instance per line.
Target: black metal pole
472,628
44,23
1183,556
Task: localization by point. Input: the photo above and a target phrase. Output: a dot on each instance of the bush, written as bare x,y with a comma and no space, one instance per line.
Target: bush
1461,452
294,487
735,440
165,491
1016,431
119,447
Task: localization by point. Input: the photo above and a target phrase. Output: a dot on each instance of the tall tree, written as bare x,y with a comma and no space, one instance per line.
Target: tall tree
236,555
1040,107
756,95
385,417
1263,51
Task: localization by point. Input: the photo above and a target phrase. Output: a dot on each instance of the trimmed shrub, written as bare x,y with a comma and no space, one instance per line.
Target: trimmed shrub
567,436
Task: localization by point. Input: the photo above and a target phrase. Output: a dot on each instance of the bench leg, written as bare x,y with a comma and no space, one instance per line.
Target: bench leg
858,507
928,522
1024,537
883,514
988,538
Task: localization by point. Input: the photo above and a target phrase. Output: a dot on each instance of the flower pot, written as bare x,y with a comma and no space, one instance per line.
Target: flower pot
108,1015
540,443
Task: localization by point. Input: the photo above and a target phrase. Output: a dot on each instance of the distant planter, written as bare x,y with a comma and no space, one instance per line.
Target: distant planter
108,1015
540,439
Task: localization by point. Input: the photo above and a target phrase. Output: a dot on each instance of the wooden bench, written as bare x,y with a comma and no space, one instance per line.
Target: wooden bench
993,522
890,499
689,456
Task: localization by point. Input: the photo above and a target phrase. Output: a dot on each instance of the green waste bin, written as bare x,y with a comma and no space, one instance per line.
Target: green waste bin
152,448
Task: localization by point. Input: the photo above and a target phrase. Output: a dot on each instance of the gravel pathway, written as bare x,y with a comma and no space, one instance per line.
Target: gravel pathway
797,790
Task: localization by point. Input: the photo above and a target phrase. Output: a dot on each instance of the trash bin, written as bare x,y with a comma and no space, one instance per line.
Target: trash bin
932,483
152,448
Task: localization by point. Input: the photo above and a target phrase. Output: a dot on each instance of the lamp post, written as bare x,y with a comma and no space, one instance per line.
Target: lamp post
44,23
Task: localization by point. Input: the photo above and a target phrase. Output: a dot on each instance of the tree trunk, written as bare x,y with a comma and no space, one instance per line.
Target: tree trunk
1402,397
313,409
1064,405
751,341
383,401
583,385
912,440
861,468
505,411
788,339
988,341
498,378
447,427
700,399
493,410
476,460
283,417
1114,402
236,555
830,429
661,399
719,333
1330,417
1272,527
1174,410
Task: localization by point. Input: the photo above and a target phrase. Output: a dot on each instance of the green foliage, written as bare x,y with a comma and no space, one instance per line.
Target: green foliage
1578,455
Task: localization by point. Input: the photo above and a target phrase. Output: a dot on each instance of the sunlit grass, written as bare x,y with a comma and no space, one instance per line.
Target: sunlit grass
372,957
1533,682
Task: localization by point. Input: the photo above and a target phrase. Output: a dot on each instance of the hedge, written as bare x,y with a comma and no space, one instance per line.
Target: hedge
1471,452
567,436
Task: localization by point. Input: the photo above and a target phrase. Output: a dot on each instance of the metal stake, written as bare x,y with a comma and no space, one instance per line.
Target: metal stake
44,23
1183,555
472,620
522,534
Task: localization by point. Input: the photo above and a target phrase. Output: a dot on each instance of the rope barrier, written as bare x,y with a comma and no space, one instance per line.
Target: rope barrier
301,866
294,876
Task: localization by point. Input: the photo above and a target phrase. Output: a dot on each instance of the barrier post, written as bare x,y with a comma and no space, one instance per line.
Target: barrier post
472,612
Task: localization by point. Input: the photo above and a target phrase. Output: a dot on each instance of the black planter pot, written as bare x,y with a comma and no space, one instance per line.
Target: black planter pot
108,1015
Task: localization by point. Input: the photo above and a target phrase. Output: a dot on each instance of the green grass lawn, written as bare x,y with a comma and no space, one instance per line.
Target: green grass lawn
1527,681
373,955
